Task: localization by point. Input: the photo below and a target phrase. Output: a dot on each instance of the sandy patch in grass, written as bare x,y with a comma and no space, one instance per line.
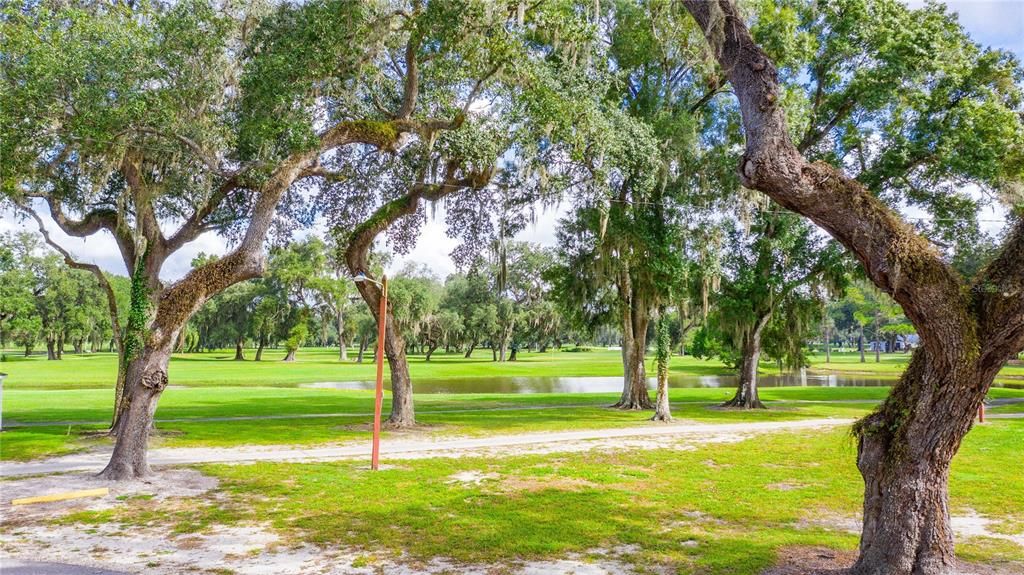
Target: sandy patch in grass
471,477
534,484
168,483
970,524
974,525
802,560
786,486
254,550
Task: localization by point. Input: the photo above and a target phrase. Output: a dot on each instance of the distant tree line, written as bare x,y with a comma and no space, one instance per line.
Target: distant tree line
44,304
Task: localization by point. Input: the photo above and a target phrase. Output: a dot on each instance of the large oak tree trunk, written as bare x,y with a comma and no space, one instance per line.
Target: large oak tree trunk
145,380
746,391
904,453
967,329
239,352
634,392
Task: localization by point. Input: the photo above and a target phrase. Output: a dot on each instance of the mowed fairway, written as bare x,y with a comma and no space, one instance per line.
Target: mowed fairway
687,506
57,407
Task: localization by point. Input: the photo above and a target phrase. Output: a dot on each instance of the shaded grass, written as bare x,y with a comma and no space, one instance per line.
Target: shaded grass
717,509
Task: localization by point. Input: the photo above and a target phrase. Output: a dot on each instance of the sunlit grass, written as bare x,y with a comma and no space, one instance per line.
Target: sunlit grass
722,508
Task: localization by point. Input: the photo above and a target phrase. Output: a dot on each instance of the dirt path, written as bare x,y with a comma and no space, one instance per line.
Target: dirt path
651,435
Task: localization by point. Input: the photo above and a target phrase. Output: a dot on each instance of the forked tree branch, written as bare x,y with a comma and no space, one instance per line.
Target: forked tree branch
999,289
897,259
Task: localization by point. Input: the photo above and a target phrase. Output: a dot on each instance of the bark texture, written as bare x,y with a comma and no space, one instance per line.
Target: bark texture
967,330
635,318
146,377
746,391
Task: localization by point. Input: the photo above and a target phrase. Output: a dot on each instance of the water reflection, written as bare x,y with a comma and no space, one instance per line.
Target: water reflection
607,384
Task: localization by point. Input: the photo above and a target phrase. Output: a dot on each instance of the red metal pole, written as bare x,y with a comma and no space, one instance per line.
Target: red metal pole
381,326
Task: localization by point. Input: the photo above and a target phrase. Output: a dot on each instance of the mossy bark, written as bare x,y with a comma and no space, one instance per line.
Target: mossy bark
662,409
967,330
145,380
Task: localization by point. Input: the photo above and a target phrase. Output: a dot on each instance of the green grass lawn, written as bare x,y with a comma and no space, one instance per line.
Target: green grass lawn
217,369
718,509
466,414
74,389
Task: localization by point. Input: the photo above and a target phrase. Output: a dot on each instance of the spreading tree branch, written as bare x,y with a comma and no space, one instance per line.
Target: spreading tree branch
101,278
897,259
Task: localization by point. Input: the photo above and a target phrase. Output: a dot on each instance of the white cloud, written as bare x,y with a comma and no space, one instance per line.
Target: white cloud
434,246
996,23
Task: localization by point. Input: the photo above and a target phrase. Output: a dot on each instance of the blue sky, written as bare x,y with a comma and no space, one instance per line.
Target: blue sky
997,23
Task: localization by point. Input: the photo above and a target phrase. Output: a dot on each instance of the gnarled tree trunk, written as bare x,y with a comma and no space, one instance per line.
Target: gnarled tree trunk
239,352
357,258
402,410
145,380
967,330
904,453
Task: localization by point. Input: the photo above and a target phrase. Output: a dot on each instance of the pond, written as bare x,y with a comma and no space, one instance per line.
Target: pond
604,384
